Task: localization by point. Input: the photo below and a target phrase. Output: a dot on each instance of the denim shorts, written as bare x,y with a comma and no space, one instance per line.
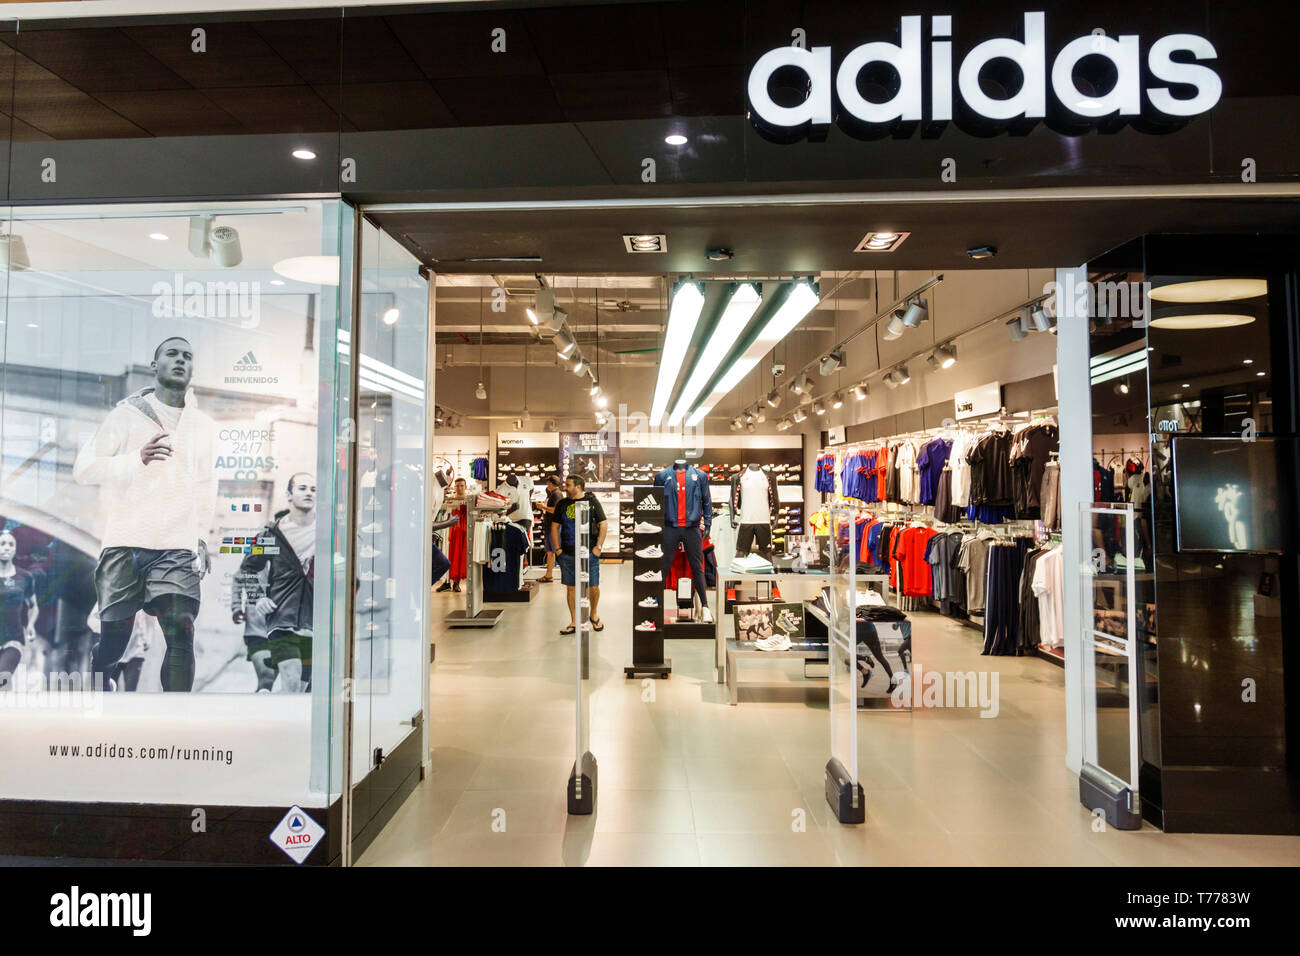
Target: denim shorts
569,570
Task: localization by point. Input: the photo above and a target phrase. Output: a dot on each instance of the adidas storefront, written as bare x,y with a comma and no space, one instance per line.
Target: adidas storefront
928,376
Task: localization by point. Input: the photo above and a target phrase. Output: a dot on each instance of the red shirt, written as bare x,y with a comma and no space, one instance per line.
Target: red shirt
681,499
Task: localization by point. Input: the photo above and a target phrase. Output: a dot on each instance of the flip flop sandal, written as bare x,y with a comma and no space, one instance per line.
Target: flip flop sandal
568,630
598,624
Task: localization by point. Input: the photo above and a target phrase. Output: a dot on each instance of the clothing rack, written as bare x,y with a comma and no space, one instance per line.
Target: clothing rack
474,615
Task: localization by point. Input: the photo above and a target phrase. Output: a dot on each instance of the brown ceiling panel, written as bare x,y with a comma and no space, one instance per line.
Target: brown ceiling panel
311,47
60,111
399,105
236,55
277,109
461,45
95,60
372,53
641,94
631,38
709,90
500,100
173,113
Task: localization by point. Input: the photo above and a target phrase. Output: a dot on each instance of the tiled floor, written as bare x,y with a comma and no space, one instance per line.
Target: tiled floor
685,779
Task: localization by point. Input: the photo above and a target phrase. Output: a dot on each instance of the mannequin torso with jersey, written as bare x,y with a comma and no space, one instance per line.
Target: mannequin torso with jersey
753,505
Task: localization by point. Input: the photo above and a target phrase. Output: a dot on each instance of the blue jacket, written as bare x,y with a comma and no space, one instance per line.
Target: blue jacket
699,503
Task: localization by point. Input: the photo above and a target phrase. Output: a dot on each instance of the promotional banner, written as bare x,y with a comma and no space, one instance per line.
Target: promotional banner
593,455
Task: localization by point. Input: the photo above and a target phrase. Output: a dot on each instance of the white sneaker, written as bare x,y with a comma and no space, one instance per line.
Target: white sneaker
368,576
369,603
646,626
707,615
372,504
368,552
373,528
650,576
654,551
648,602
645,527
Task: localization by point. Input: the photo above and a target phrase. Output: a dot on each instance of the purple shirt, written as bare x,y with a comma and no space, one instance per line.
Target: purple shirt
929,463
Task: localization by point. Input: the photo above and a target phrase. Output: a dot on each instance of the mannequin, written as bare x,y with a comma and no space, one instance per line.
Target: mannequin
753,504
687,506
519,489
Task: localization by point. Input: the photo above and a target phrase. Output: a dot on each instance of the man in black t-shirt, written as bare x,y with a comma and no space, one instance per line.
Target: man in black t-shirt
553,498
564,537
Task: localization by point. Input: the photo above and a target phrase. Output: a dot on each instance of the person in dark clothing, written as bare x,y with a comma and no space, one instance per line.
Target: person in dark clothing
553,498
18,609
290,591
246,591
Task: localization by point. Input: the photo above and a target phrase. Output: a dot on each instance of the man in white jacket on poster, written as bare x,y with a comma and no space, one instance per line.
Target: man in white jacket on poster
153,457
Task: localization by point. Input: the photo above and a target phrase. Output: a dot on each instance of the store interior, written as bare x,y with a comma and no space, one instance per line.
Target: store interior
921,402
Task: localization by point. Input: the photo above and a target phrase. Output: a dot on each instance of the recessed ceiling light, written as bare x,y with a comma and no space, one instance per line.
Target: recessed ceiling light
982,252
1186,323
1210,290
314,270
277,282
881,241
391,316
645,243
160,236
1185,385
675,139
1247,361
303,154
1260,374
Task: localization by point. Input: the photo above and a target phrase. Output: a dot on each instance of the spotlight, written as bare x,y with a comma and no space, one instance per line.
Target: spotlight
675,139
13,253
760,416
601,401
895,328
1121,388
594,390
902,375
800,415
481,392
945,356
1043,321
831,363
751,428
1018,326
801,384
915,314
819,408
225,247
749,418
837,400
303,154
519,424
580,366
860,391
774,398
564,343
391,316
735,424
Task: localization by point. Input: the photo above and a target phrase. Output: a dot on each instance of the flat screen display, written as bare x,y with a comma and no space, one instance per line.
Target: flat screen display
1228,497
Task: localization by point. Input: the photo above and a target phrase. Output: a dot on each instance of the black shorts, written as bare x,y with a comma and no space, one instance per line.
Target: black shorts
256,643
289,646
128,579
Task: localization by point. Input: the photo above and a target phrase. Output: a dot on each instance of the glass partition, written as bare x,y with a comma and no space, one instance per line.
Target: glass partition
842,770
165,445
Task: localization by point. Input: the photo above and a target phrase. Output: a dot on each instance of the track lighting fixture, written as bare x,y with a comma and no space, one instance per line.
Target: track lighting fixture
860,391
895,328
13,252
1019,326
580,366
800,415
774,398
837,400
915,314
594,390
564,343
481,392
831,363
945,356
1042,321
819,408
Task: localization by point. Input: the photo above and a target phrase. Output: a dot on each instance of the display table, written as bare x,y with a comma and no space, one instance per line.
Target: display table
723,627
737,651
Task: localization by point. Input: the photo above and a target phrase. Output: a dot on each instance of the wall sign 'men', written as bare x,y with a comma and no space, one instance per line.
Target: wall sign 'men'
1172,60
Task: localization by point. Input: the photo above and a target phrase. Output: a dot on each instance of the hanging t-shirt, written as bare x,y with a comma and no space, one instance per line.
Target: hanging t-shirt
564,514
503,569
753,497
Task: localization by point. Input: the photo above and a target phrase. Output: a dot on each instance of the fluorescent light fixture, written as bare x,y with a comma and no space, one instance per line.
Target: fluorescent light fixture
1208,320
800,299
915,314
1210,290
683,316
313,270
564,343
1113,365
1247,361
745,300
